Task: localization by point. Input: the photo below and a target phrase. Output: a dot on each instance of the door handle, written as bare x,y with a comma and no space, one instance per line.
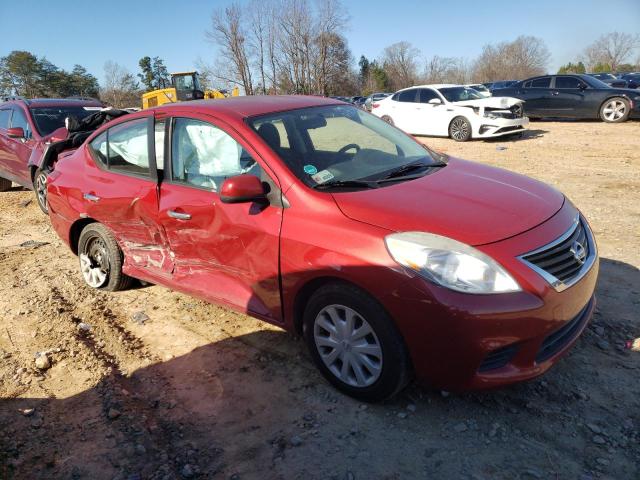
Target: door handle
178,215
555,93
91,197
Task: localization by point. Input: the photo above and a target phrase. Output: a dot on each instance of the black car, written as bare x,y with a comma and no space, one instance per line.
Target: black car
632,79
610,79
501,84
574,96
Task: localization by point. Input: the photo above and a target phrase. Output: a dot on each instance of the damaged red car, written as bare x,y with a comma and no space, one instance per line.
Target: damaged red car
393,261
27,127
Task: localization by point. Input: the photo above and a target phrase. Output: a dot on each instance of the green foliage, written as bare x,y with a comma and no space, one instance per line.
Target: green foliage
23,73
627,67
364,68
154,74
602,68
573,68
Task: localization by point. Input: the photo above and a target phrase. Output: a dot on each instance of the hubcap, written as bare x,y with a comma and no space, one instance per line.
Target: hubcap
94,263
41,189
348,346
614,110
459,129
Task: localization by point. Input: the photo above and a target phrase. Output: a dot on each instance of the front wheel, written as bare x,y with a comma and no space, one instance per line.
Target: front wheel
40,188
354,343
460,129
101,259
615,110
387,119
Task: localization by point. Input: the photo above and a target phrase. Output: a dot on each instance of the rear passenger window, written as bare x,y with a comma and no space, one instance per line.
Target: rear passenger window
124,148
128,149
408,96
5,115
541,82
426,95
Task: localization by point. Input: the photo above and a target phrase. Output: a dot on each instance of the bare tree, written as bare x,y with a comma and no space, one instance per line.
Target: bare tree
259,12
228,33
446,70
524,57
400,61
611,49
120,87
331,48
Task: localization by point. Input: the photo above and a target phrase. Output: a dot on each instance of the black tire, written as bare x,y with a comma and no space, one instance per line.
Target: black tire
99,245
40,189
4,184
396,365
460,129
615,110
388,119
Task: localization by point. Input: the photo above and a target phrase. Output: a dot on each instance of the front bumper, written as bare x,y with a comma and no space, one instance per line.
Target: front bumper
497,127
459,341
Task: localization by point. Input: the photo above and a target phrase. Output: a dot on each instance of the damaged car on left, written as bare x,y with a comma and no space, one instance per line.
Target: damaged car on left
27,128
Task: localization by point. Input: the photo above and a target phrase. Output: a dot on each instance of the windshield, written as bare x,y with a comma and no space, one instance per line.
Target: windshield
594,82
187,82
480,88
459,94
338,143
49,119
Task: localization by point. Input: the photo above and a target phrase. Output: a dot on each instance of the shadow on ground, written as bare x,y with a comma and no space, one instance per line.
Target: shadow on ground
253,406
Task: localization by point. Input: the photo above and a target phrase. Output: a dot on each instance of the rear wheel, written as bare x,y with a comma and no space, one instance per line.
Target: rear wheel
101,259
40,188
615,110
354,343
460,129
4,184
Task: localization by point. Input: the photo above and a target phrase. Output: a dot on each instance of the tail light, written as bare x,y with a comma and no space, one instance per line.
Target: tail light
375,105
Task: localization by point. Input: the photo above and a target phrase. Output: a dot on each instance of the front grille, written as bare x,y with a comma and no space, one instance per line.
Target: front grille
510,129
563,260
564,335
498,358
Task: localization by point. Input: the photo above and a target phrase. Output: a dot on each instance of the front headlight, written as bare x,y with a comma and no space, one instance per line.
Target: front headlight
450,263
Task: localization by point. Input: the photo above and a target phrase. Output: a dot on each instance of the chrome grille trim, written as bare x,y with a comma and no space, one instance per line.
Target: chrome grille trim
592,255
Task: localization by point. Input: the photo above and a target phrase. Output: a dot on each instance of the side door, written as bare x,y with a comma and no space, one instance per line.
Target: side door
225,253
433,119
568,96
536,93
7,159
22,147
120,190
405,110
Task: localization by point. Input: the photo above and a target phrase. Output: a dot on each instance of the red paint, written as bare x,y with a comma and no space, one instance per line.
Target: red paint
257,258
20,157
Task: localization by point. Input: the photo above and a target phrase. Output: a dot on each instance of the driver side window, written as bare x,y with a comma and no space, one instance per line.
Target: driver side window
203,155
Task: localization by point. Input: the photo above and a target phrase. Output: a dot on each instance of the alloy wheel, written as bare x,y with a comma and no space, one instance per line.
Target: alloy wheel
459,129
94,263
348,346
41,189
614,110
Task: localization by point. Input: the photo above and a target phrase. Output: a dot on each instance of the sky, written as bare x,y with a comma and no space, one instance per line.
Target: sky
90,33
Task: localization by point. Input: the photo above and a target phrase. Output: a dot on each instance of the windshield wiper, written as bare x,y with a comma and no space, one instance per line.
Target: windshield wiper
346,184
408,168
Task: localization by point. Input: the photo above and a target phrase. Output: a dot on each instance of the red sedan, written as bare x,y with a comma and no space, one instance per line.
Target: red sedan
392,260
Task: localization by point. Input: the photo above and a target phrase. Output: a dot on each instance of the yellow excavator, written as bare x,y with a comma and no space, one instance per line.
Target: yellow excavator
185,86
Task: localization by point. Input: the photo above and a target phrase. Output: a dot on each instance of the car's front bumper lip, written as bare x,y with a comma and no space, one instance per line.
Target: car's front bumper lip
497,127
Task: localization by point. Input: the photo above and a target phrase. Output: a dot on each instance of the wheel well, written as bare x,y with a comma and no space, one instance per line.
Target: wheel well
32,170
304,294
76,230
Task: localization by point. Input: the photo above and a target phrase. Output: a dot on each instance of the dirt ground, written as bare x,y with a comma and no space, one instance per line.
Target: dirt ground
152,384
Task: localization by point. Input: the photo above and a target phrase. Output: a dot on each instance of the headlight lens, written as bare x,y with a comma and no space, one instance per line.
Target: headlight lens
450,263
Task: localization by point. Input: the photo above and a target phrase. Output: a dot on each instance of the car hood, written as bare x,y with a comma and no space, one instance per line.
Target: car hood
491,102
469,202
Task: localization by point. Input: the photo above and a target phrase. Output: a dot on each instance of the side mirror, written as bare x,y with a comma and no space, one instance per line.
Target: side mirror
582,86
435,101
242,189
16,132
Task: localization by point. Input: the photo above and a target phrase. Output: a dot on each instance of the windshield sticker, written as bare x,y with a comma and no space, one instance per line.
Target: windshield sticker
310,169
322,176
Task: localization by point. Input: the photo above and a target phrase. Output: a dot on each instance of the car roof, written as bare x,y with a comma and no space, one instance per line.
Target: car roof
250,106
58,102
